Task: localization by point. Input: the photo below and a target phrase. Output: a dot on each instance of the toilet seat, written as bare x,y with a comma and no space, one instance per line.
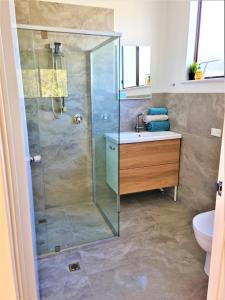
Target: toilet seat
203,224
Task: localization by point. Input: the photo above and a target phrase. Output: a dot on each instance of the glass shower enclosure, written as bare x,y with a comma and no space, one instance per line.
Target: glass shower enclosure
71,91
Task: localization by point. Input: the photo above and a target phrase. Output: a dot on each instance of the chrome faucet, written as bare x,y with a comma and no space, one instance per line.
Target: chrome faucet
138,127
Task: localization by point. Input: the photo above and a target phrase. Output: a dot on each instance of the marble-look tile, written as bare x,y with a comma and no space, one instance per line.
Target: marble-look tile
156,276
178,111
205,112
55,141
104,257
199,171
38,186
22,11
71,16
194,115
65,149
160,261
70,225
153,262
105,118
64,175
130,108
57,282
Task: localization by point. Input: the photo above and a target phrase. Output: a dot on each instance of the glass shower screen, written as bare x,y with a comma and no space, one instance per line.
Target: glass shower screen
105,119
71,91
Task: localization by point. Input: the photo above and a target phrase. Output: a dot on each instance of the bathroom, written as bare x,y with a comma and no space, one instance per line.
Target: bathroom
112,210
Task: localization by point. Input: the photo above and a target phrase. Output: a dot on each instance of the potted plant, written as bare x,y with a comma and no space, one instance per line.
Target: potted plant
192,70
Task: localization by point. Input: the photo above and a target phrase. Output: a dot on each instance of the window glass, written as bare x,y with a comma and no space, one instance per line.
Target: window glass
129,66
144,64
211,40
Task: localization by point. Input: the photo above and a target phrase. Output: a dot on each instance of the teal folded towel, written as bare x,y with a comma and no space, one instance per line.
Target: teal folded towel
158,126
157,111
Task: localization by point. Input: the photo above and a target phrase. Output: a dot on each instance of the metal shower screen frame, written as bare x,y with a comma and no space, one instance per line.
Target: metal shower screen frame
111,37
69,30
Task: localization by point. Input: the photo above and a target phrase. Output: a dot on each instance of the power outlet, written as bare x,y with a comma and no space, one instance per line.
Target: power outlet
216,132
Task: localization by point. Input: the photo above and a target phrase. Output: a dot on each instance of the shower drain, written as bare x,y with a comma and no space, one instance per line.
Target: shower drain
57,248
74,267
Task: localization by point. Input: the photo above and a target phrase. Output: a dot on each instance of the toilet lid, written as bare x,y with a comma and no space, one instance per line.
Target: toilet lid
203,223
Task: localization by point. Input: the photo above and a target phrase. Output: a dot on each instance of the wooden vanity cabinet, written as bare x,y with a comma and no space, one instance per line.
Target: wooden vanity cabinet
149,165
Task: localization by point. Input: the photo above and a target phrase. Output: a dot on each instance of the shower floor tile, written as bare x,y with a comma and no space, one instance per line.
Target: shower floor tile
156,258
69,226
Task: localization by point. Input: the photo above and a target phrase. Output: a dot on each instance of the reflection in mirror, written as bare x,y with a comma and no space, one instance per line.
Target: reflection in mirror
129,61
144,66
136,72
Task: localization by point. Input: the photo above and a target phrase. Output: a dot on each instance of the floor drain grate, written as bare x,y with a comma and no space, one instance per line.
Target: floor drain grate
57,248
74,267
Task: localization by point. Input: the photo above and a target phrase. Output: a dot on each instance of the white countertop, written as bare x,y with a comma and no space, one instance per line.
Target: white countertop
143,136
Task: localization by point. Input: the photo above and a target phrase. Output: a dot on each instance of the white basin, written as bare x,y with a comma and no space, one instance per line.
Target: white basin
143,136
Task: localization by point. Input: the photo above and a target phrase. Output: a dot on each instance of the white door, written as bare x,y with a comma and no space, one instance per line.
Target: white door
217,278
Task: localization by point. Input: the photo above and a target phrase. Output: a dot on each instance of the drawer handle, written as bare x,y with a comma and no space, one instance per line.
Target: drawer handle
112,148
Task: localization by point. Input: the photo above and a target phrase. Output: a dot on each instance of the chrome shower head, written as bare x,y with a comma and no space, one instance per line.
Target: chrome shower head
56,48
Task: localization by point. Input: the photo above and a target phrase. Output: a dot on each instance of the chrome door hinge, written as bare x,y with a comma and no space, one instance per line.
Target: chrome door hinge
35,159
219,187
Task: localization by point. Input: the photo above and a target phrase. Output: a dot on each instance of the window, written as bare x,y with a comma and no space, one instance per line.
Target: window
209,38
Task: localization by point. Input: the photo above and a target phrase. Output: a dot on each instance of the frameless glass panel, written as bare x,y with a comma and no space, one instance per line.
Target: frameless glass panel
31,87
56,80
105,120
211,42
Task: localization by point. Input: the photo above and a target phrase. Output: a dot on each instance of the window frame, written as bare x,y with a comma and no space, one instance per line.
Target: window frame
197,37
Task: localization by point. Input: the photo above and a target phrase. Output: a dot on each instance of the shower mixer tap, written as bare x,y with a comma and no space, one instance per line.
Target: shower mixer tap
77,118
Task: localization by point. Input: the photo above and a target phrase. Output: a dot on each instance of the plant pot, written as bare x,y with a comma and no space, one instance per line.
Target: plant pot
191,76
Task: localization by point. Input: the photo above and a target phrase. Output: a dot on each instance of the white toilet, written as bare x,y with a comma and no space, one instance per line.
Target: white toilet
203,229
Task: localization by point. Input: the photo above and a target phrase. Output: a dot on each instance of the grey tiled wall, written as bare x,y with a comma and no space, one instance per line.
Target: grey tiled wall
64,15
193,115
65,148
130,108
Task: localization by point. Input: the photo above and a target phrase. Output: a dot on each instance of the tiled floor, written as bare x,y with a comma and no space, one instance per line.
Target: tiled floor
69,226
156,258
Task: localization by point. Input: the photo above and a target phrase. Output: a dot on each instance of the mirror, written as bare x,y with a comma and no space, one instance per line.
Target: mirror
136,72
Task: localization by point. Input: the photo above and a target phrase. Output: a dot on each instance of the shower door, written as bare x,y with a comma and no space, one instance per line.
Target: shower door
71,99
105,119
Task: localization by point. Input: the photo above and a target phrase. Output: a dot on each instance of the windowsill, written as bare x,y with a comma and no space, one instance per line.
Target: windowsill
136,98
210,80
136,88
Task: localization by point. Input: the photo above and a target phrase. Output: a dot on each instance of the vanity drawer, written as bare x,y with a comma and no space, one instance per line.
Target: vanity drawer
148,154
148,178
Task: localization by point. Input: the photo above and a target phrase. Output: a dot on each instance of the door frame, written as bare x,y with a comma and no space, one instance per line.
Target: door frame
216,288
8,280
14,160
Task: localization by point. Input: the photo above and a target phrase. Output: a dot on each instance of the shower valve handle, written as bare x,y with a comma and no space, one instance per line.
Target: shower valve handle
77,118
